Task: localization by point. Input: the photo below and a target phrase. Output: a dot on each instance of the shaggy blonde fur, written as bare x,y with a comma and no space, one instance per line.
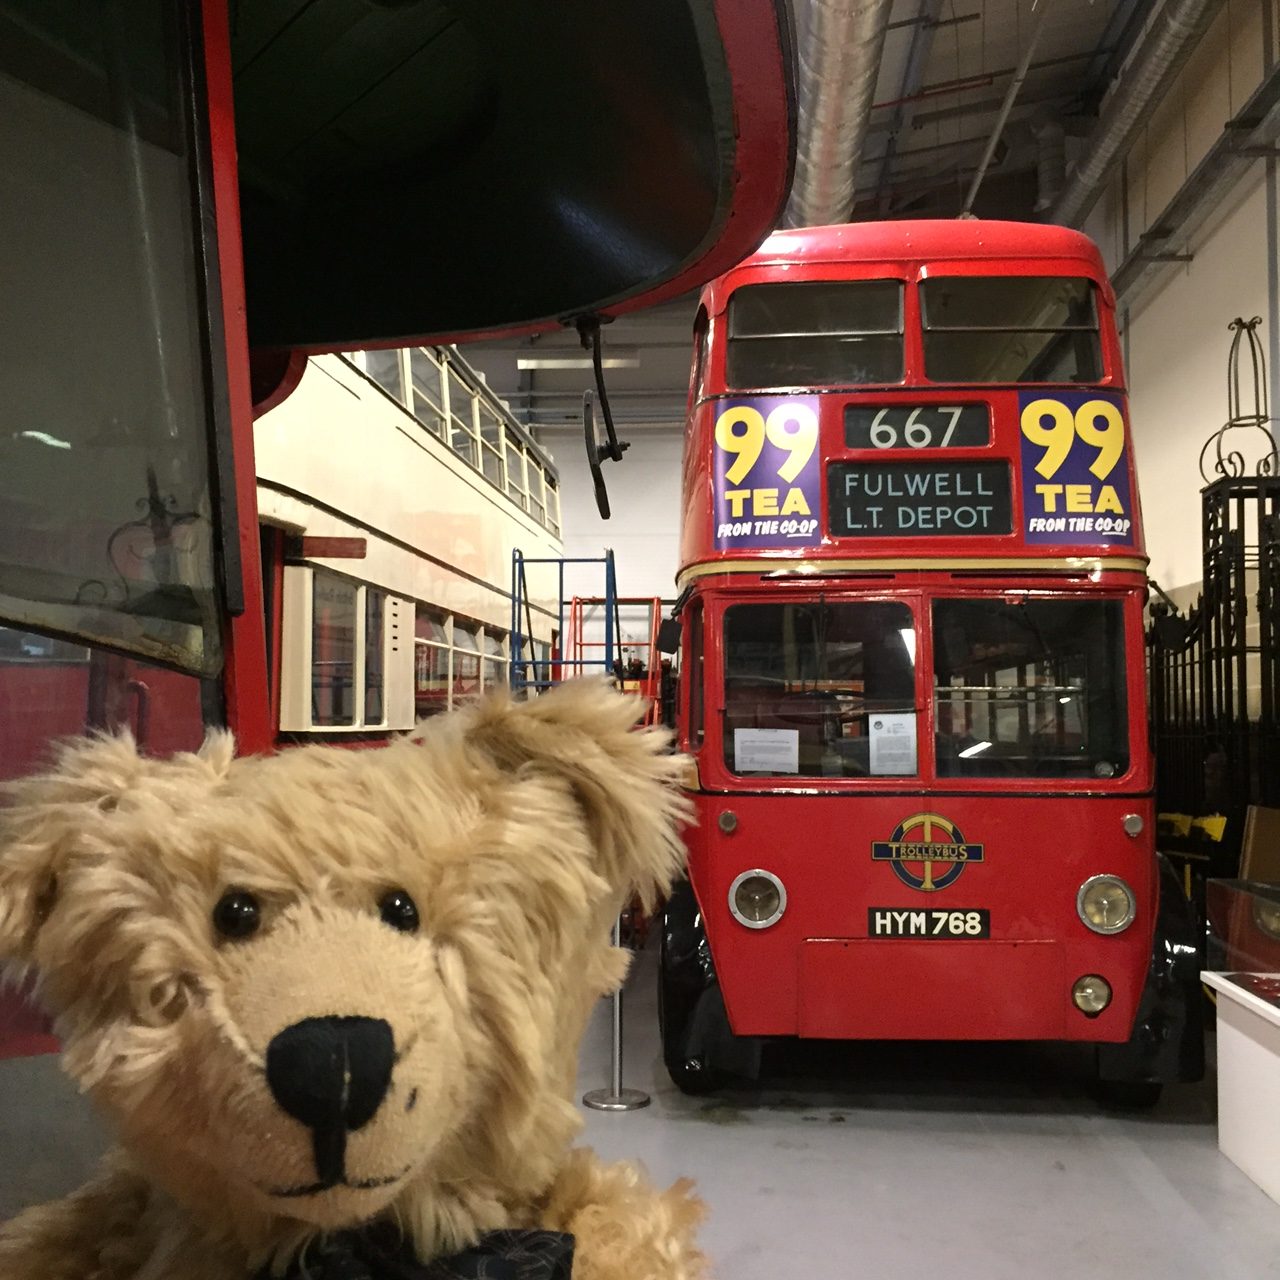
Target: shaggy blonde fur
518,829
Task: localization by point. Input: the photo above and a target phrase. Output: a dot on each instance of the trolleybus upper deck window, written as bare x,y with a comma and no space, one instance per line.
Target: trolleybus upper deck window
820,689
1010,329
1034,689
815,334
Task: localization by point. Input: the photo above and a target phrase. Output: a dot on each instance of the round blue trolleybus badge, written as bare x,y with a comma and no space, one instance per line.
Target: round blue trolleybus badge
926,852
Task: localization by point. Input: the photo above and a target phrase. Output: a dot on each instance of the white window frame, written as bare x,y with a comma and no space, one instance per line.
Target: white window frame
298,648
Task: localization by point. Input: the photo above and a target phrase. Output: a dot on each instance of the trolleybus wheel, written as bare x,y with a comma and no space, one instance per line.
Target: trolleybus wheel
685,976
694,1077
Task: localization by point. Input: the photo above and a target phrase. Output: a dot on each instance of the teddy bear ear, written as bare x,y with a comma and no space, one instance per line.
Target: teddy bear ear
626,780
40,817
43,817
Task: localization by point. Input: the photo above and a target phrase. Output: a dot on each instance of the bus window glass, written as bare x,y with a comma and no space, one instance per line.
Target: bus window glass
701,345
426,376
375,657
495,663
106,529
1010,329
466,662
1033,689
333,650
384,368
818,334
431,663
697,679
820,689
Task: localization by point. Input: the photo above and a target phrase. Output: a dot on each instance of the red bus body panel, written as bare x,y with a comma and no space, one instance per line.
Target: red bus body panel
816,973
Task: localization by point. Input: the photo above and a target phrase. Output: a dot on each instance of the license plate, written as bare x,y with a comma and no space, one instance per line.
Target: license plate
928,922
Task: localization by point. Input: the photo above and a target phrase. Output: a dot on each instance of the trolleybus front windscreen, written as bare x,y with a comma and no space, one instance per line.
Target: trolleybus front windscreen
820,689
1034,689
815,334
1010,329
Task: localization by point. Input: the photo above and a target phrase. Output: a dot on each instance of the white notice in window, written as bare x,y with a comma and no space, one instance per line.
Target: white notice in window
893,744
766,750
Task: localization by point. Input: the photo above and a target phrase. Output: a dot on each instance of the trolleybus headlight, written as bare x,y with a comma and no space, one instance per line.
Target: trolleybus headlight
757,899
1106,904
1266,916
1091,994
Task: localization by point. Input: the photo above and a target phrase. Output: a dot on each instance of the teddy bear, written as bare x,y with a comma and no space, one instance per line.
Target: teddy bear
331,1001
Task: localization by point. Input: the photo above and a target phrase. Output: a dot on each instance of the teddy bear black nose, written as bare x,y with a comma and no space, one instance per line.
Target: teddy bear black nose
331,1074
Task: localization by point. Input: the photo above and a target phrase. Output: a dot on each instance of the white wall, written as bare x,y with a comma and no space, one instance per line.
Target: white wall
1178,345
644,493
644,529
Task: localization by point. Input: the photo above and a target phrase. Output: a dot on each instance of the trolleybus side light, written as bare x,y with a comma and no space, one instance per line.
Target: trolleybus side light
1132,824
1106,904
757,899
1091,994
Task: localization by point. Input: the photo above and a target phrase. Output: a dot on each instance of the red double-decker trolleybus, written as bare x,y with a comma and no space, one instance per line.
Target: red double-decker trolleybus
913,582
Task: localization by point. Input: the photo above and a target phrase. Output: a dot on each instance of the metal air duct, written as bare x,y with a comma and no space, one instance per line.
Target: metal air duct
1174,33
840,45
1051,163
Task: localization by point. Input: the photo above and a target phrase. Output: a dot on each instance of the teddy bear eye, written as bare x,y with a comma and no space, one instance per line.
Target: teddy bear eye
237,914
399,911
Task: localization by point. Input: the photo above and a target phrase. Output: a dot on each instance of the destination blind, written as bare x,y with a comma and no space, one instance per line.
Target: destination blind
919,499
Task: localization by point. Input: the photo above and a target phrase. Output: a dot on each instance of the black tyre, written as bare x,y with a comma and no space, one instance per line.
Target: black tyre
694,1076
683,978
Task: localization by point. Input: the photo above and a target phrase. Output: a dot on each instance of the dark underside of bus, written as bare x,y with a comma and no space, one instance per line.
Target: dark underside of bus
489,165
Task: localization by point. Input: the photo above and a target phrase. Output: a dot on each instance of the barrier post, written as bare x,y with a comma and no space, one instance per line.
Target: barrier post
615,1097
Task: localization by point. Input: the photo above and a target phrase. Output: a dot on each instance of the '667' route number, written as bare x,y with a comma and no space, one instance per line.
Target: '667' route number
924,922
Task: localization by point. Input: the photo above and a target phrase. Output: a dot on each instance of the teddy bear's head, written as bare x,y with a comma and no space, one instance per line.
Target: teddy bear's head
312,988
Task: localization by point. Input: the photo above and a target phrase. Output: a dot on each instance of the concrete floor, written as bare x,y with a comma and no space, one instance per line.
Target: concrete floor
866,1160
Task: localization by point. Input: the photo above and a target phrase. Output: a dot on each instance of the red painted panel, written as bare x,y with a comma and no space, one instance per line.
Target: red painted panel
1036,853
245,678
913,991
38,704
41,703
24,1031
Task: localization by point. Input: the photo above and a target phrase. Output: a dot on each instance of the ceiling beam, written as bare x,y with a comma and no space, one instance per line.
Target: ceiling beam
912,80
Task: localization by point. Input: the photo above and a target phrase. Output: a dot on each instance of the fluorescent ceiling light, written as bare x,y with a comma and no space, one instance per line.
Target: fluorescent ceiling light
576,362
43,437
977,749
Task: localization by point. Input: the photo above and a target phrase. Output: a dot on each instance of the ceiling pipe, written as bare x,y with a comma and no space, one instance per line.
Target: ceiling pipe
1173,34
1051,163
840,47
1002,119
912,81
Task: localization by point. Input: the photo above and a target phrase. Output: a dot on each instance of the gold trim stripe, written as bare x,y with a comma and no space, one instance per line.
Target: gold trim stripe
796,569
